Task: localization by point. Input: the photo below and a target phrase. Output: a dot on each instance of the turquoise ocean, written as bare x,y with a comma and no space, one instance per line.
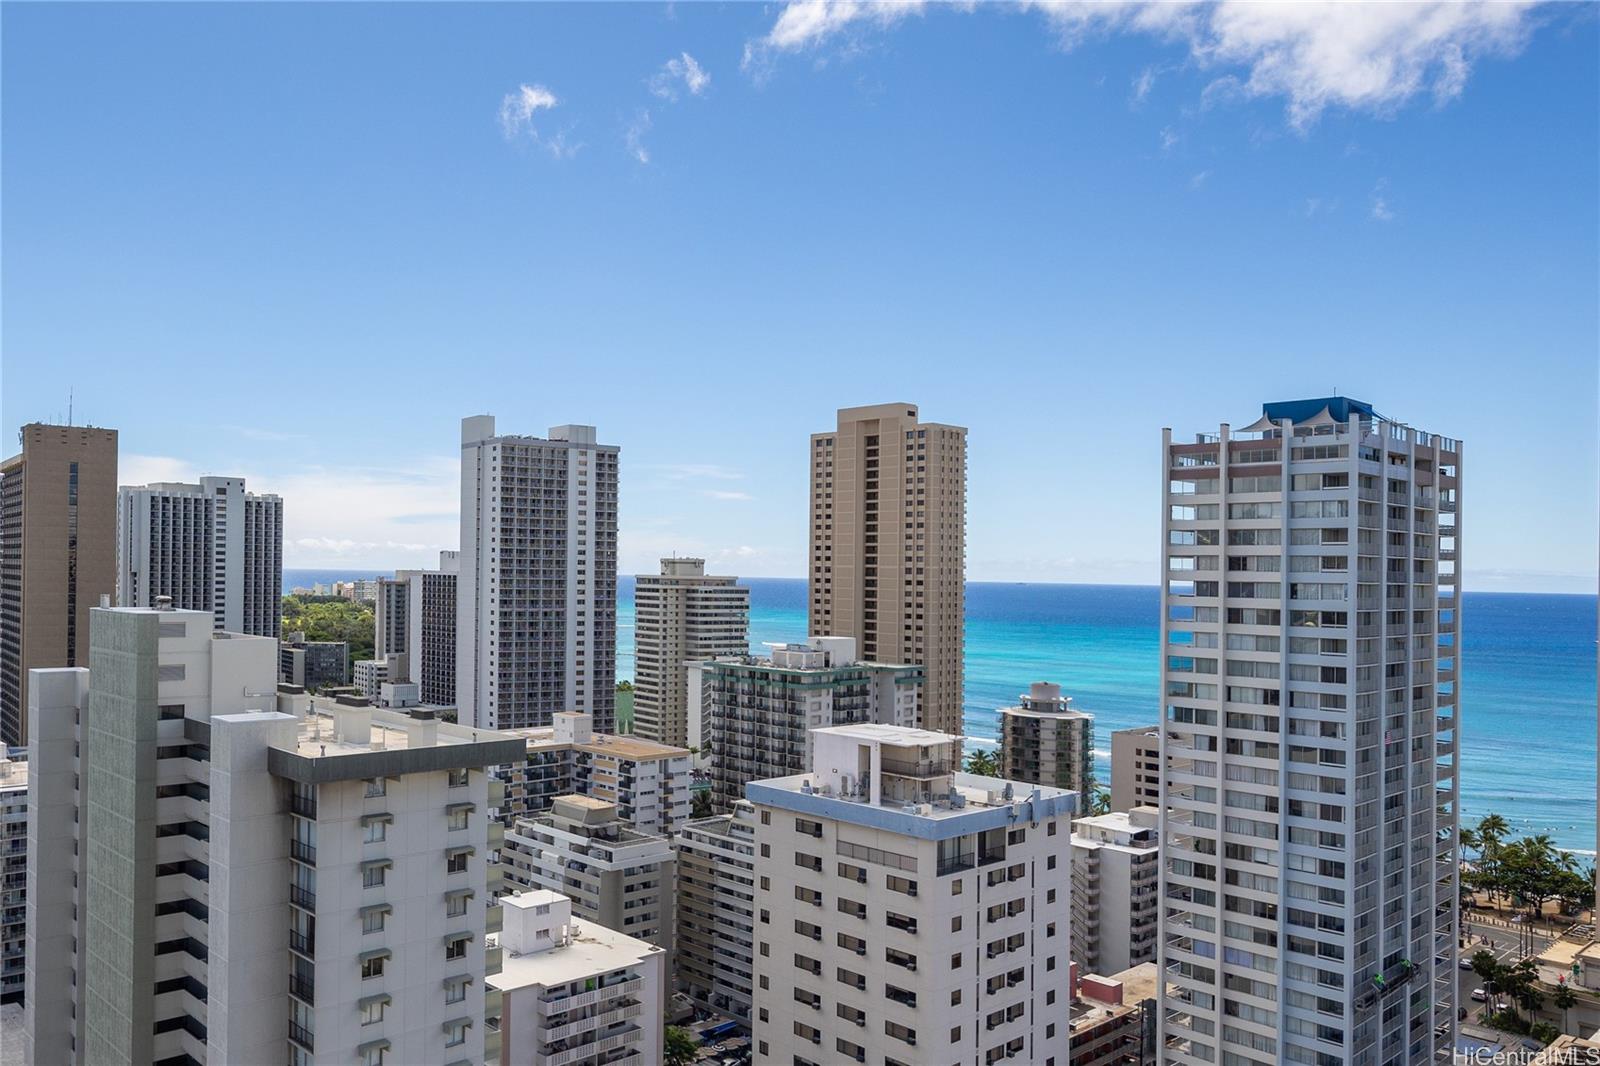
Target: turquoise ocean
1527,684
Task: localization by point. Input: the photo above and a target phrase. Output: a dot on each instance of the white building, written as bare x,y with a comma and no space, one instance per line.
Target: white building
616,876
244,883
681,615
1044,740
1309,791
369,675
13,875
430,628
907,913
1116,866
717,911
574,992
761,711
210,547
648,782
391,616
536,628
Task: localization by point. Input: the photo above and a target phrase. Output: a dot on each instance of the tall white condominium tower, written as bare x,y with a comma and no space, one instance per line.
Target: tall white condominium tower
681,615
888,545
210,547
1310,615
536,621
907,913
216,875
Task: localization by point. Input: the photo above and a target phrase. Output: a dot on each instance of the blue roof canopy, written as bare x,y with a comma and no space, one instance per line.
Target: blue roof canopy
1340,407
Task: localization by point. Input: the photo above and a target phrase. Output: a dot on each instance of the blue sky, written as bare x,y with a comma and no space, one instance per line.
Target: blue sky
299,242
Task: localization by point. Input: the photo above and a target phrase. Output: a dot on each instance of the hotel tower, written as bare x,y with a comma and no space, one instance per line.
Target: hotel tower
1310,610
888,546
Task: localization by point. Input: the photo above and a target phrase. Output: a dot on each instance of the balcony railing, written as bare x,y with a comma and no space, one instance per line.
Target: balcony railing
303,898
301,1035
303,988
303,852
304,943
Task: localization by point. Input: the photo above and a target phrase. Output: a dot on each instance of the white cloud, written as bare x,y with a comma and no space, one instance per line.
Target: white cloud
1199,179
633,136
1381,211
518,111
1169,138
1143,84
1365,57
146,469
726,494
693,471
682,70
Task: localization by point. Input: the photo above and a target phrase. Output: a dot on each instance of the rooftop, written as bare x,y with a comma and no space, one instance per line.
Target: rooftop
1340,407
340,742
973,804
623,747
889,735
592,949
13,773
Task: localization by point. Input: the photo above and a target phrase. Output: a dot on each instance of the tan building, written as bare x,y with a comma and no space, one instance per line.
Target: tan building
888,545
1114,1018
1044,741
1136,768
681,615
58,555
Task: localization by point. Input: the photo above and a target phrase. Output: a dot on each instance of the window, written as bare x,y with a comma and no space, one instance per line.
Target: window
455,949
955,1035
455,990
955,961
456,863
373,1056
456,819
372,920
808,827
455,1033
376,832
373,876
900,884
455,906
372,1010
372,967
460,777
376,786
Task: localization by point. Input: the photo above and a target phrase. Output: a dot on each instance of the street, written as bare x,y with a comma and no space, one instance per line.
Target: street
1508,942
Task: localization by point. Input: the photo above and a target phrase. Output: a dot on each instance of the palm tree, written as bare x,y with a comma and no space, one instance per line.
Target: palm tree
983,763
1099,799
1468,839
1563,1000
1491,829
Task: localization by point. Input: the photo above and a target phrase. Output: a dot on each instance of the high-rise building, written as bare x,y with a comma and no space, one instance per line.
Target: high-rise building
313,664
760,712
206,547
680,615
1044,741
648,782
575,993
1136,767
615,875
1116,866
888,546
537,590
392,615
908,913
58,555
1310,616
717,911
13,875
247,883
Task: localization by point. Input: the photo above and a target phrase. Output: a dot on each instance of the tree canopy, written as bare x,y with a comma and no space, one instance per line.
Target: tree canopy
332,618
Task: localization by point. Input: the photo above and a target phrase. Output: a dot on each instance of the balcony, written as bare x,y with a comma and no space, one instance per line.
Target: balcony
304,806
303,898
302,1036
303,943
303,988
300,851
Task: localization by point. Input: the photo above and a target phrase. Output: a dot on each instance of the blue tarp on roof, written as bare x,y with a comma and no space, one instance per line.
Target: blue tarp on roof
1340,407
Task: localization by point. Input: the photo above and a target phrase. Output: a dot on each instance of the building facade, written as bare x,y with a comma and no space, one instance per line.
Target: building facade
717,911
1044,741
313,664
369,676
391,616
537,585
616,876
1116,867
574,993
681,615
888,546
760,712
58,555
907,913
1114,1017
1136,768
13,876
648,782
429,630
211,546
248,883
1309,790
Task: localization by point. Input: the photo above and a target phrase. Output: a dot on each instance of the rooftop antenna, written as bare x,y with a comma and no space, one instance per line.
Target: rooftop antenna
69,405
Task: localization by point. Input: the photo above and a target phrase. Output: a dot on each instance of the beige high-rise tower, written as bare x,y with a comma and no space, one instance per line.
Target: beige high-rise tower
58,555
888,545
681,615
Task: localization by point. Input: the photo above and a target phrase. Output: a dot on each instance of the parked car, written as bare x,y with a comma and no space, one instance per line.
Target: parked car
1480,996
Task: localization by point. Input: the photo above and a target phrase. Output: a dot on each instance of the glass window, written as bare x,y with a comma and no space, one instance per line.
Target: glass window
376,786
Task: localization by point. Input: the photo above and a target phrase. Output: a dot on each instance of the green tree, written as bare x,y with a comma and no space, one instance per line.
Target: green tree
1490,831
1489,970
700,805
331,618
1099,799
1520,981
1564,1000
983,763
679,1048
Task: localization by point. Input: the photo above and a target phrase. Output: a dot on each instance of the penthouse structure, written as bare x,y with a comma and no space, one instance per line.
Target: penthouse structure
681,615
888,546
615,876
760,712
908,913
1116,867
58,555
717,911
247,883
574,992
1044,741
649,783
536,619
210,546
1309,791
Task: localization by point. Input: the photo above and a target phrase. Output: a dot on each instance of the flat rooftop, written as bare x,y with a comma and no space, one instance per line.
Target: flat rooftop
889,735
593,950
623,747
1045,712
387,746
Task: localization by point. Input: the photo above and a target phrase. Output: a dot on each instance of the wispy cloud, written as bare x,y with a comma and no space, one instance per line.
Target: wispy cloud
695,471
146,469
633,136
1169,138
1363,57
258,433
519,109
1381,211
680,73
1143,84
1199,180
726,494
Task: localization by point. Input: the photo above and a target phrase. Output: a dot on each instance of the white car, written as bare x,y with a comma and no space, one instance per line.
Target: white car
1480,996
1465,963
